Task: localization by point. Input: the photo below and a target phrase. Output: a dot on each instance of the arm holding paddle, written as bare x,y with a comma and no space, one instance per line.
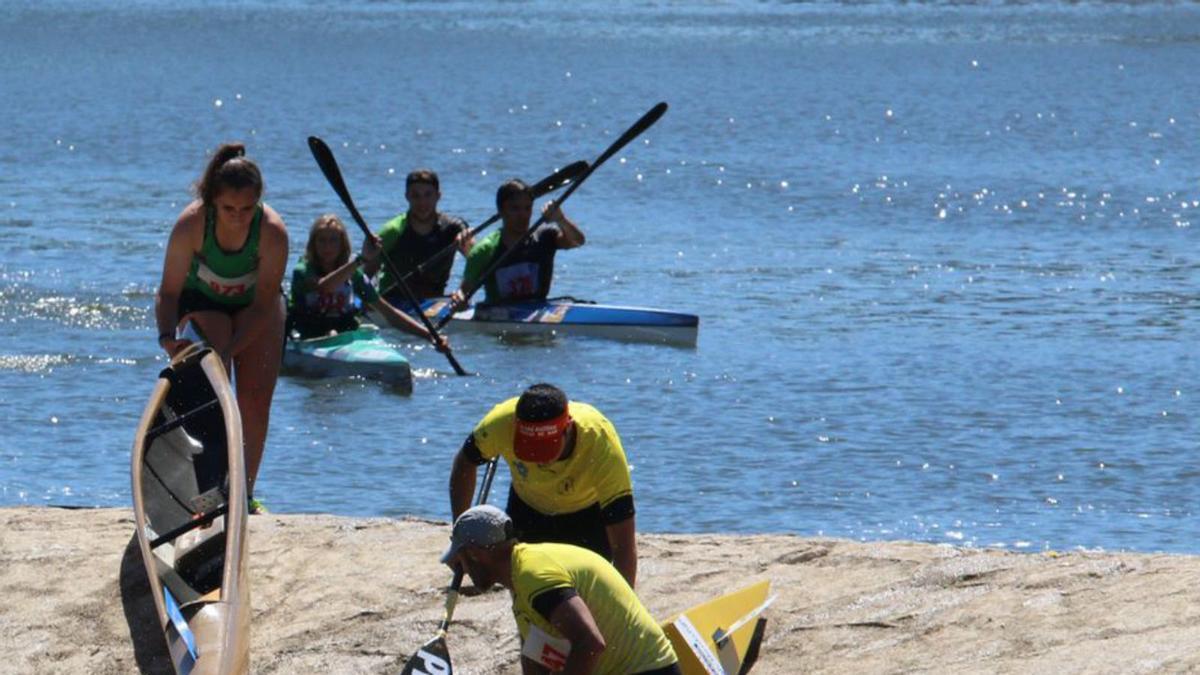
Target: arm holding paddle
406,323
471,279
372,263
371,253
339,276
569,234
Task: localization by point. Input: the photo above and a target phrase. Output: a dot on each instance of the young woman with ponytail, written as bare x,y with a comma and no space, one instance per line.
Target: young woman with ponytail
221,280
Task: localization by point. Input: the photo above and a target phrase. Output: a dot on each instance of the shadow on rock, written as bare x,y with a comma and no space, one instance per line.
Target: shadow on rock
149,644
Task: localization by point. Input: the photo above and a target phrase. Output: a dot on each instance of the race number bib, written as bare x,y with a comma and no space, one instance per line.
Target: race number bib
546,649
519,280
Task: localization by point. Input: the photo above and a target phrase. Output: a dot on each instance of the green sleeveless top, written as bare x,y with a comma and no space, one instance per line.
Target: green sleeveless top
226,277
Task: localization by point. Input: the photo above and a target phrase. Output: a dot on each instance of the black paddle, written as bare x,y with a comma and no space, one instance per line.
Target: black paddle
546,185
433,658
333,174
631,133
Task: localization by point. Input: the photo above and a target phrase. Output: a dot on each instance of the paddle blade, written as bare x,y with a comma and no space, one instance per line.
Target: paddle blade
431,659
559,178
327,163
329,168
644,122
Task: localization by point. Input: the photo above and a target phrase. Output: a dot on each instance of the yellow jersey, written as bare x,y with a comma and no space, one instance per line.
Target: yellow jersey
596,471
634,640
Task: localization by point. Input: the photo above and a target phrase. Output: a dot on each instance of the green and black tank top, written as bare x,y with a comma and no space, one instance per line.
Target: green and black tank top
226,277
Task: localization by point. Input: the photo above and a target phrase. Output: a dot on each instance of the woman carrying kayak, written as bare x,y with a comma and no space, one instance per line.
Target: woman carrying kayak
329,288
221,282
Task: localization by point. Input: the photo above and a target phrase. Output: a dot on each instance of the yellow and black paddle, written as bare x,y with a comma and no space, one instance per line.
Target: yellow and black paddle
433,657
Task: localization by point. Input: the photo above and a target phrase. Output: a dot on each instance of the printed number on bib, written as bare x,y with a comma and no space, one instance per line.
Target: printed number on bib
546,649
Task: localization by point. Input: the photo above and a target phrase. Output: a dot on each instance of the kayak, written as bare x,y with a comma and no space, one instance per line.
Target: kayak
362,352
722,635
570,316
190,510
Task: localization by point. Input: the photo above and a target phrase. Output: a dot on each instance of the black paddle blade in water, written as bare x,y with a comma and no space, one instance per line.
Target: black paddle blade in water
431,659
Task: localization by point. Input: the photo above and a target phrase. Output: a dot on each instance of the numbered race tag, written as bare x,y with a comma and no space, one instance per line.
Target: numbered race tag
545,649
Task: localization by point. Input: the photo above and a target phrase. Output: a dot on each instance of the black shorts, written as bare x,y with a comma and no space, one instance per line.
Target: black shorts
191,300
582,528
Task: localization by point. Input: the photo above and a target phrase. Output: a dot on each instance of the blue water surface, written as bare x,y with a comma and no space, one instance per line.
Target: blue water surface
943,253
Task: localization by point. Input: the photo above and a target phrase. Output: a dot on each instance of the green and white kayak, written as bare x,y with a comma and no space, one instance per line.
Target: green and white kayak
361,352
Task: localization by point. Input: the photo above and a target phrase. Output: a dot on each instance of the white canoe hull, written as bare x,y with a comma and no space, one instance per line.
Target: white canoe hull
190,510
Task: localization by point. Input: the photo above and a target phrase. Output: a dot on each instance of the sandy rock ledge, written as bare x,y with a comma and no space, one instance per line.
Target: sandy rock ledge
347,595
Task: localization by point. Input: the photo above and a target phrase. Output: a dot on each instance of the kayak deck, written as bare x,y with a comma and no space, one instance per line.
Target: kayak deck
569,316
358,353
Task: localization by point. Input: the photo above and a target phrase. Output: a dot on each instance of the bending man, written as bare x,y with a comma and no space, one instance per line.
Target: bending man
570,479
574,612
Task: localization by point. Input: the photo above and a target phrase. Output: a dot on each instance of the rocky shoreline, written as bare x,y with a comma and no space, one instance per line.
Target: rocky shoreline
358,595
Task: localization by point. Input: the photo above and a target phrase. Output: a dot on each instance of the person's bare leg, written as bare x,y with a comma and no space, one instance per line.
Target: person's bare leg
257,369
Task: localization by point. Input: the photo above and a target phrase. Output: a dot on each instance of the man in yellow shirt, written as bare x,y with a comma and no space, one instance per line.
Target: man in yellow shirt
575,613
570,479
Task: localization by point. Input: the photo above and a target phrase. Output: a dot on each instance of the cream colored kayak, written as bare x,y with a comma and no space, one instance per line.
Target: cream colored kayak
189,503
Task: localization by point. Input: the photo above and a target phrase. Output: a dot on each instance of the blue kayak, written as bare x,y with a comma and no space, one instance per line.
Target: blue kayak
569,316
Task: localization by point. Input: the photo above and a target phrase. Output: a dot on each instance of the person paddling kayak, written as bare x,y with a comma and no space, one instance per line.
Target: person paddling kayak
570,479
329,290
415,236
574,612
528,272
221,281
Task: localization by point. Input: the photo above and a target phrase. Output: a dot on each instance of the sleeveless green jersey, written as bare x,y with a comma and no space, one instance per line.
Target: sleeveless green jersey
226,277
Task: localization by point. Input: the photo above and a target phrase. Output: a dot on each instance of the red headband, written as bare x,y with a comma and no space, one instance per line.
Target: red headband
540,442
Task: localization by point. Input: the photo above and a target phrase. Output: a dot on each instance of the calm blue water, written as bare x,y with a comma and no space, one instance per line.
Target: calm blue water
944,254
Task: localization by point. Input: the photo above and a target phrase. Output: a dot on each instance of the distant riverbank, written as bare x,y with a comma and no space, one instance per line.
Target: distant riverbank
335,594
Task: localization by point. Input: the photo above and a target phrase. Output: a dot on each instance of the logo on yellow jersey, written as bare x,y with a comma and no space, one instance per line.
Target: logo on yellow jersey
566,486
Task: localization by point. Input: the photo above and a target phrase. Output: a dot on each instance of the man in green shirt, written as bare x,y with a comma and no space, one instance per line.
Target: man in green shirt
415,236
574,611
529,269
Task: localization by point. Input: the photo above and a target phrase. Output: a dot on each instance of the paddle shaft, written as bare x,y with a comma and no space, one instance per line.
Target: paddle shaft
333,174
645,122
456,582
546,185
